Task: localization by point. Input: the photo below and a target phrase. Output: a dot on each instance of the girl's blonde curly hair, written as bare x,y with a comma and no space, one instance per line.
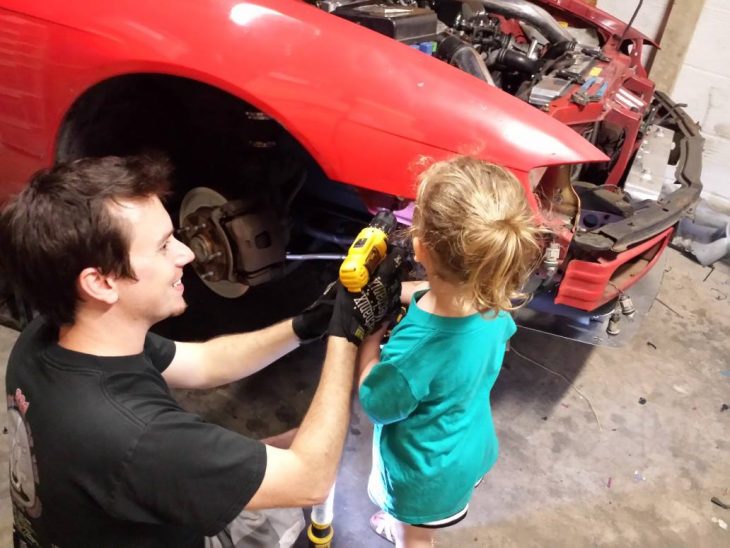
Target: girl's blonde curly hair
474,219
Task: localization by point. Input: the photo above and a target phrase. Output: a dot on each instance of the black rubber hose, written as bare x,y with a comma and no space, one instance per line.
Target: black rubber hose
517,60
460,54
558,50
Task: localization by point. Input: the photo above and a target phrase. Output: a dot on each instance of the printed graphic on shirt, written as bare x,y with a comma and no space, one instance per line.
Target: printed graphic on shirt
23,468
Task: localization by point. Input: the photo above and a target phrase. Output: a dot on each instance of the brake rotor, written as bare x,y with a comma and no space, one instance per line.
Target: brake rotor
200,229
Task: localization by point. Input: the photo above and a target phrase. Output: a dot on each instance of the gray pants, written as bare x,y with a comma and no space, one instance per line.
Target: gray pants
274,528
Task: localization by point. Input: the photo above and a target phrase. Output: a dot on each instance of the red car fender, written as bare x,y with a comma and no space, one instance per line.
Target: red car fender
365,106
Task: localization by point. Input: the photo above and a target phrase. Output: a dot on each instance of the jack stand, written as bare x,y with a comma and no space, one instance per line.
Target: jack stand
320,531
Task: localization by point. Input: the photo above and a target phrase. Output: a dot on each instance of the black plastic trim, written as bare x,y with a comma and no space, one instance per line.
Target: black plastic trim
666,212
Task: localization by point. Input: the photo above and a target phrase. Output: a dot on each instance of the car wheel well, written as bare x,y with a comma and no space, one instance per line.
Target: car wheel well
211,136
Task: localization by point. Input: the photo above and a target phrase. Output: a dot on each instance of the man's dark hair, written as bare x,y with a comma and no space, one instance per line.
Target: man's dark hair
62,223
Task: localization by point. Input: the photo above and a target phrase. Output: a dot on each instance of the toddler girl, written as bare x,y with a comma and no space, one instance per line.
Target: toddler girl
427,392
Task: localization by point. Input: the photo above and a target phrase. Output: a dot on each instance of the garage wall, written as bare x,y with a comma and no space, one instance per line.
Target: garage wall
650,18
703,82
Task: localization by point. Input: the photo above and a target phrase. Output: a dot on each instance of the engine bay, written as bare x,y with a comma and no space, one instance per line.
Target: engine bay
516,45
562,64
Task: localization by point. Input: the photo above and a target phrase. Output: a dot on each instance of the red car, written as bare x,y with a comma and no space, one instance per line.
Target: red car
289,122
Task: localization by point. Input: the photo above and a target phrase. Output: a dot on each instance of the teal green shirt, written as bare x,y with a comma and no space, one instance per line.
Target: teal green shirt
429,400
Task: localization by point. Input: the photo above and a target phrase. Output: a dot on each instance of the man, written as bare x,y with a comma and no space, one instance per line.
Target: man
101,454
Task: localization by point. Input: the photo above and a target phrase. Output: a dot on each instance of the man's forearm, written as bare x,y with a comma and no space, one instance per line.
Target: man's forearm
321,436
303,474
229,358
232,357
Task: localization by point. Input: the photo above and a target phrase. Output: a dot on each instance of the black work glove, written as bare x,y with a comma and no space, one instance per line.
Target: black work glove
312,323
357,315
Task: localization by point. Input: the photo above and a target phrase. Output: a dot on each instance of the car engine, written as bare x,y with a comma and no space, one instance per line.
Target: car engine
516,45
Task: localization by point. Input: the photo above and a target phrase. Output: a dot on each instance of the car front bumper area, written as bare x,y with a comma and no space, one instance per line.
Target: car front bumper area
627,254
626,250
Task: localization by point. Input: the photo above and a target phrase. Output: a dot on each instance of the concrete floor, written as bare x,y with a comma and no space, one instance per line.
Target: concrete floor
638,472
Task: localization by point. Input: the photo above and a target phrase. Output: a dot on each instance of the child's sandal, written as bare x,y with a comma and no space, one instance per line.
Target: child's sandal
383,524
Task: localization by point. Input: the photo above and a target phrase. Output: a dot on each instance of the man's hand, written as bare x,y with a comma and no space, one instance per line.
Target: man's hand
356,315
314,320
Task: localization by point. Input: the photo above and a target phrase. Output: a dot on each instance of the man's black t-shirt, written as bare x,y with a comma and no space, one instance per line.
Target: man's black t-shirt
101,454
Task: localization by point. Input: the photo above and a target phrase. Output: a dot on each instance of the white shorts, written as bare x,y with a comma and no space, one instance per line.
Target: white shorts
376,492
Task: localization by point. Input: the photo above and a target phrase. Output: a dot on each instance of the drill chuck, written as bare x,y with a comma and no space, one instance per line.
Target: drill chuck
384,220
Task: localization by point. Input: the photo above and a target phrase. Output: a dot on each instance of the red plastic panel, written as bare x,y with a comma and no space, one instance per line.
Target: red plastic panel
586,284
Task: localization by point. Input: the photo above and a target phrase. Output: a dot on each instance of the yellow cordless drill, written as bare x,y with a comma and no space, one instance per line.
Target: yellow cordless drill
367,251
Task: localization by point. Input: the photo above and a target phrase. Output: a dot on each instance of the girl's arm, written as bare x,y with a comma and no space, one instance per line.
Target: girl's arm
409,288
369,354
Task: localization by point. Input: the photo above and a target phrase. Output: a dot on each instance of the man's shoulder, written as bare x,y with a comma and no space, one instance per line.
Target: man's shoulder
31,343
114,390
38,331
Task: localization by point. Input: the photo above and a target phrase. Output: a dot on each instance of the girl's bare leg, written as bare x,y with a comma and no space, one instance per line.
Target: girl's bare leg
408,536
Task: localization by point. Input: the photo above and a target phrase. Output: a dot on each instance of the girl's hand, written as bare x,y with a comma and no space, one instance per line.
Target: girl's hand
369,354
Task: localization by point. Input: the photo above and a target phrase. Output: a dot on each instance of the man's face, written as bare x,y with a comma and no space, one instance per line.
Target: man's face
157,259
